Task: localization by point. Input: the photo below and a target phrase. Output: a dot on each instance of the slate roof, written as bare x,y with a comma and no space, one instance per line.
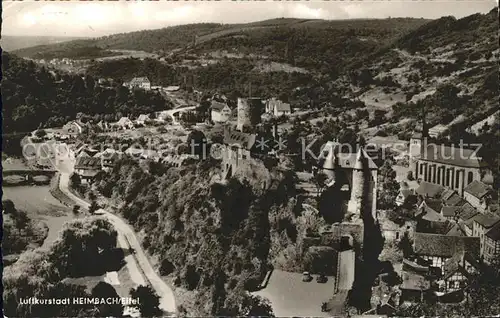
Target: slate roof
467,212
89,163
456,230
450,211
218,106
452,155
123,121
494,232
487,220
409,266
444,245
477,189
429,189
139,80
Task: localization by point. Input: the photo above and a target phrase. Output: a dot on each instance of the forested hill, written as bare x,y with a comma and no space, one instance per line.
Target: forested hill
311,35
34,97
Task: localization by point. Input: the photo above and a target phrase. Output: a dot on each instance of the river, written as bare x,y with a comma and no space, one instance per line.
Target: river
39,204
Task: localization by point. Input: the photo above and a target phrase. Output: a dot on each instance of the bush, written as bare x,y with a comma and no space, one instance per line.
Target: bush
409,176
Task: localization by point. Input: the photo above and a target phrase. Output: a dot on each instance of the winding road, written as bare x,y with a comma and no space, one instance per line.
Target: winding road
138,264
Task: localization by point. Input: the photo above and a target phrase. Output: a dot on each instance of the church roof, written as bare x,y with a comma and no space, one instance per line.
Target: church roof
455,156
478,189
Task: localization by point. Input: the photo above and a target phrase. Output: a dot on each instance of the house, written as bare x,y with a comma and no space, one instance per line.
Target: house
141,120
482,224
139,82
179,160
437,248
108,160
457,272
87,168
149,154
405,196
134,152
492,244
415,286
124,123
73,127
103,125
478,195
220,112
277,107
437,130
429,190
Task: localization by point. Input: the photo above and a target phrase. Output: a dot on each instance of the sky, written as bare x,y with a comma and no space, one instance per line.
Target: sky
94,19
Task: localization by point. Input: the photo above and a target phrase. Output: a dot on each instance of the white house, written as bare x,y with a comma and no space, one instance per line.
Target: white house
220,112
73,127
277,107
142,119
125,123
139,82
437,130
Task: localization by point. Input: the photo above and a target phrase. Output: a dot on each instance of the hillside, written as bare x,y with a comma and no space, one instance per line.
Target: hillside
10,42
178,37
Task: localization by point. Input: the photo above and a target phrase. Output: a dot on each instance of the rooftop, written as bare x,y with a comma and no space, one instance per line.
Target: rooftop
494,232
429,189
455,156
218,106
477,189
241,139
444,245
88,163
487,220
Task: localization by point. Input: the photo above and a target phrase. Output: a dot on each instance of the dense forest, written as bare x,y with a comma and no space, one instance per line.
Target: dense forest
34,97
213,238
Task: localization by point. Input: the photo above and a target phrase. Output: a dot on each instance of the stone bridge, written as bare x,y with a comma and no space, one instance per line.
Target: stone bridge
28,174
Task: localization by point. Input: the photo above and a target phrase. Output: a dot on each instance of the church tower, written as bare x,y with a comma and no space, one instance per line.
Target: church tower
331,164
418,145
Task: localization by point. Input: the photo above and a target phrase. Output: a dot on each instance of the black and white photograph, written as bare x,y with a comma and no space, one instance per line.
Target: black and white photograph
250,158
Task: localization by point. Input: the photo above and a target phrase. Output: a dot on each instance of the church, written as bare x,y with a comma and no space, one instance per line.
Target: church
453,166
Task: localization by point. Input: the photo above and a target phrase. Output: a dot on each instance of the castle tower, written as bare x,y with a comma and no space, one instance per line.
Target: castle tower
364,187
331,163
249,112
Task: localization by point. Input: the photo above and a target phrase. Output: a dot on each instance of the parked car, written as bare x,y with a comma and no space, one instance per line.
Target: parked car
321,279
306,277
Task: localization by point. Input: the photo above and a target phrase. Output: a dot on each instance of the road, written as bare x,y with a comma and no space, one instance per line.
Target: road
139,267
172,112
345,276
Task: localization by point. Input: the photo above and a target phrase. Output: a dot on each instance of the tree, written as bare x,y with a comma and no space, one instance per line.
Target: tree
406,245
76,181
256,306
76,209
319,180
149,301
40,133
93,207
105,290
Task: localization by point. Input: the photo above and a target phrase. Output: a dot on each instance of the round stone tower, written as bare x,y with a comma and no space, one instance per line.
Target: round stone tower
249,113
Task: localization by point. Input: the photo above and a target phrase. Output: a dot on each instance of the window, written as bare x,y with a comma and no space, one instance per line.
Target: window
470,177
421,168
448,178
439,175
457,180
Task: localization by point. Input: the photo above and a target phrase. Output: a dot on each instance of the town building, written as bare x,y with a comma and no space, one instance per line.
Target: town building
491,244
453,167
405,196
436,249
277,108
139,82
141,120
220,112
438,131
124,123
478,195
73,127
457,272
87,168
482,224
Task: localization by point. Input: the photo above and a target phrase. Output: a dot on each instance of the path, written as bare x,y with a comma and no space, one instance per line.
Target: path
347,260
172,112
138,265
